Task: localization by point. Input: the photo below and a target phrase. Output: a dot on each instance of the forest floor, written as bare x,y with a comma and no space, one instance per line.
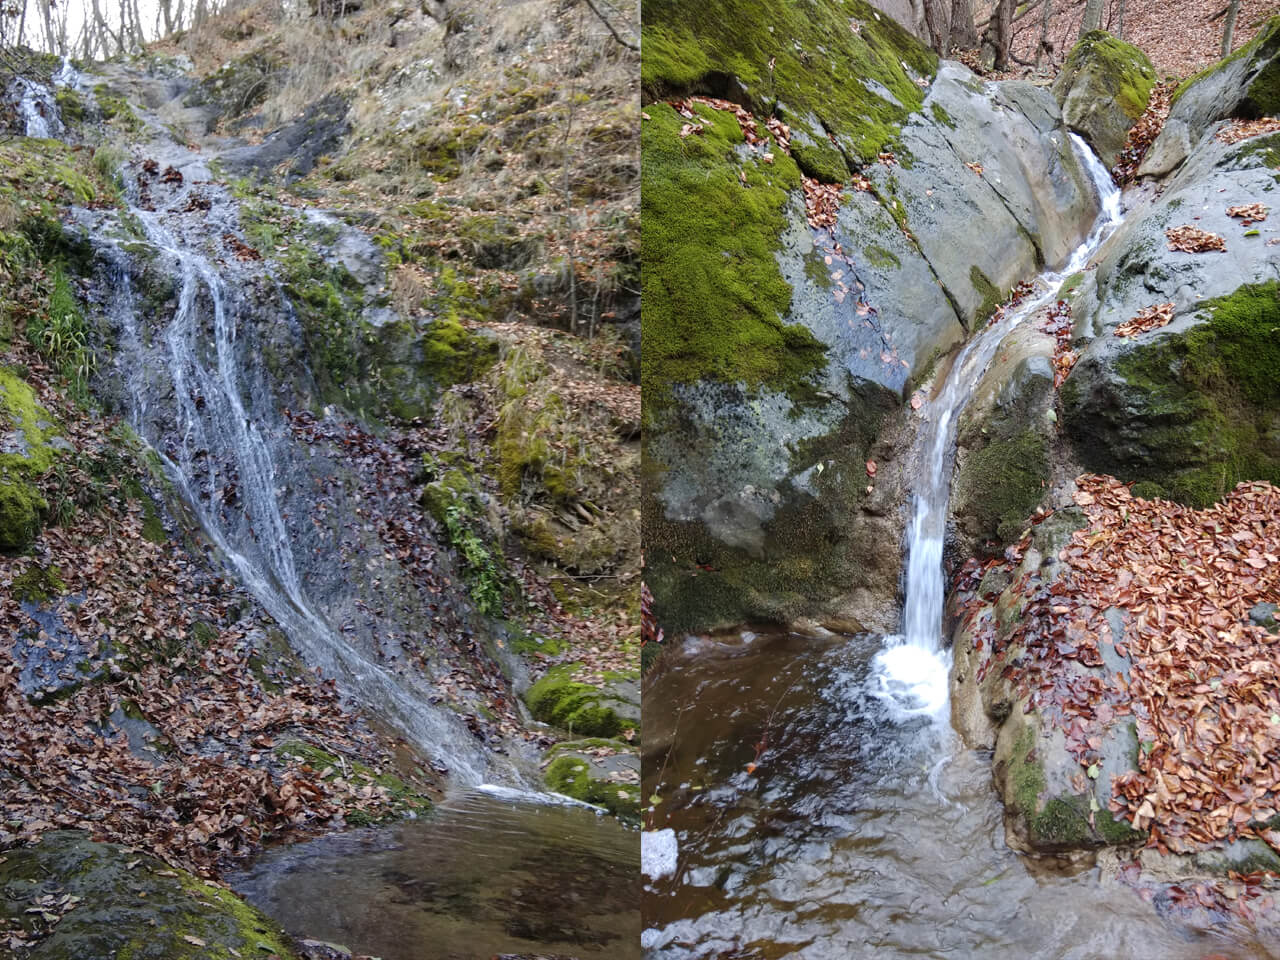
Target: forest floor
1180,36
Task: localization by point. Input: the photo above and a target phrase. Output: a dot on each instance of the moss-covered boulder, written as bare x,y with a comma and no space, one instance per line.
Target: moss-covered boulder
1245,84
1190,412
69,897
842,76
777,357
1003,444
1104,87
581,708
602,772
26,453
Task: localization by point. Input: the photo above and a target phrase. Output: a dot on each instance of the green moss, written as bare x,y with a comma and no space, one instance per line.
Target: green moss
115,109
38,584
1120,69
878,256
1070,285
1004,481
829,68
990,294
582,709
1064,822
1026,775
453,354
327,765
714,296
940,114
1149,490
1196,412
1116,831
1266,149
70,105
572,777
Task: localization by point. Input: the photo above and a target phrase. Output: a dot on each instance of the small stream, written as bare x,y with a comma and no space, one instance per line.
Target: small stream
858,835
814,802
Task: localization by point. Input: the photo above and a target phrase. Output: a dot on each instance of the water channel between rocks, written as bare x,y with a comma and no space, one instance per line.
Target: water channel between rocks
811,799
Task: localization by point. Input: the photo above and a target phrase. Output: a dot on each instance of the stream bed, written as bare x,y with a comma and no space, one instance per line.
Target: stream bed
856,835
486,874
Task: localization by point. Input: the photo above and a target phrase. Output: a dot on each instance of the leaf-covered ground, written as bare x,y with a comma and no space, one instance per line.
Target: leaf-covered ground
1201,683
144,697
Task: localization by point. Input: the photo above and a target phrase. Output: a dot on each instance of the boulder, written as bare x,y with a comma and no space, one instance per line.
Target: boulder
1003,443
69,896
1191,408
1104,87
1245,84
778,357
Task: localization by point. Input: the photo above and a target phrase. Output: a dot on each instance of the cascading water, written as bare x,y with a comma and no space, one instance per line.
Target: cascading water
37,105
193,396
911,672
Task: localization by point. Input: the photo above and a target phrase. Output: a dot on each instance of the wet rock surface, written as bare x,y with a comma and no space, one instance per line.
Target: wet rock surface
69,896
809,474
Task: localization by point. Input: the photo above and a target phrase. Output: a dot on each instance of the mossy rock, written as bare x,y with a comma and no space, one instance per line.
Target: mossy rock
38,584
715,300
1104,87
841,74
575,776
999,485
403,798
129,906
1191,413
21,509
1245,84
580,708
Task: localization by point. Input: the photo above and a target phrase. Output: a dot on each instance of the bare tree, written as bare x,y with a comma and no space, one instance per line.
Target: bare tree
1044,47
937,21
1229,26
998,38
1120,21
964,32
1092,19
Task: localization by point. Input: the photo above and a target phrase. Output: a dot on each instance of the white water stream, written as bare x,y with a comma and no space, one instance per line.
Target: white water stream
910,673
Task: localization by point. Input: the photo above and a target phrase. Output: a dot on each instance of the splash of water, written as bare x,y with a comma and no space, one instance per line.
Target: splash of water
910,674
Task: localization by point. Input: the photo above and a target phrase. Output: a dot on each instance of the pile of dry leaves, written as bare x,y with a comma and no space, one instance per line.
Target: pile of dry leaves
1149,318
1143,133
1245,129
1191,239
142,641
1249,213
1201,686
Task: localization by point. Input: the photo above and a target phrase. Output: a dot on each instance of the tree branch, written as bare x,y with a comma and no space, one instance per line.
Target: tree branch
609,26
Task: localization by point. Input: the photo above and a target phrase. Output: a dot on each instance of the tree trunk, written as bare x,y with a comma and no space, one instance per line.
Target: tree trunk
999,35
1229,26
1092,16
937,20
1120,21
1044,47
963,31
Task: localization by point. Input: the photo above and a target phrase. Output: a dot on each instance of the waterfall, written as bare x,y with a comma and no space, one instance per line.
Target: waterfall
192,379
37,105
911,672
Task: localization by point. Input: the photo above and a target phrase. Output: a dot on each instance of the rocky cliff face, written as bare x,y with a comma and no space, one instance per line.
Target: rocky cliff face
782,342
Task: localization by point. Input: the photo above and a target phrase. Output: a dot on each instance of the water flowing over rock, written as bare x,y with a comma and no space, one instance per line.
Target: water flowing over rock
1187,409
757,501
